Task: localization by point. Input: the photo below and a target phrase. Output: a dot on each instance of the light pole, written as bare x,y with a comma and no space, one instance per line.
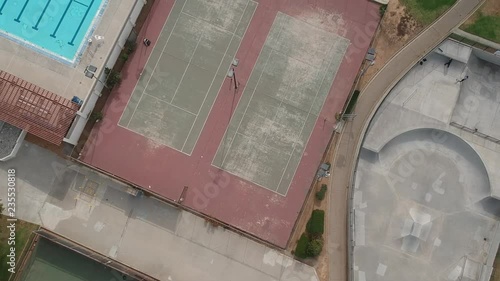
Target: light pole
90,73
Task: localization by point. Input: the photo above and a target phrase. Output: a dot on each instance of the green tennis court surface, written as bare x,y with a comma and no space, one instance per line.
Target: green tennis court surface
51,262
185,71
281,102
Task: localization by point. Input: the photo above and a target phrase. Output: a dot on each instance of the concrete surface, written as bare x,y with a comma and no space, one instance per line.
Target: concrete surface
142,232
63,79
179,84
482,86
454,50
429,97
282,100
422,202
211,190
349,143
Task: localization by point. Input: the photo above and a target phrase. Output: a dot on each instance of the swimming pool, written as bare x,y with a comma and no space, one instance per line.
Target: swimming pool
57,28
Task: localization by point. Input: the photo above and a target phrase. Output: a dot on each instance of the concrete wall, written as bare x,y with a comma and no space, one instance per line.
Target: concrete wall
84,113
19,142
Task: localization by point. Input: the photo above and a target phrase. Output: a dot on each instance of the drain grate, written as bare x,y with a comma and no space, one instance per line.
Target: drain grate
90,188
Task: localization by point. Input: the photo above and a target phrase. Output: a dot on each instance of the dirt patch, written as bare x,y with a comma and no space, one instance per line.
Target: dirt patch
495,276
321,263
396,29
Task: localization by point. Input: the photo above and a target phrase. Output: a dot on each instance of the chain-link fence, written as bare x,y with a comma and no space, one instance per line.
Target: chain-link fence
107,261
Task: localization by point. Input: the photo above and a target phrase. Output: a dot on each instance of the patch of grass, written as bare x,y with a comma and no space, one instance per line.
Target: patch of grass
426,11
487,27
23,233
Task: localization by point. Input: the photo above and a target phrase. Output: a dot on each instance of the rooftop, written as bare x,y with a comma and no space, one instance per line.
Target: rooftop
29,107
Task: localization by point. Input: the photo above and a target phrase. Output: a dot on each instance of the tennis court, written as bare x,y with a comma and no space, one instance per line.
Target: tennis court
50,262
281,102
179,84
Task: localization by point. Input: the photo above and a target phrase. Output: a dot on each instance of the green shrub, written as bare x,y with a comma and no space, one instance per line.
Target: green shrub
95,116
114,78
130,47
320,195
302,246
316,224
124,56
314,248
382,10
352,102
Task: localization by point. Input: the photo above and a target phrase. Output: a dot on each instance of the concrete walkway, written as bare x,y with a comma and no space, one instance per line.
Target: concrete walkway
142,232
371,97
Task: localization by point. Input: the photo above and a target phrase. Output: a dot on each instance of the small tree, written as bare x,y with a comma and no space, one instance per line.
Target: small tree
124,56
314,248
302,246
382,10
114,78
130,46
352,102
95,117
316,224
320,195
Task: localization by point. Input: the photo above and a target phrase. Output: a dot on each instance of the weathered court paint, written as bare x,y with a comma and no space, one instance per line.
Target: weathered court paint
282,100
189,63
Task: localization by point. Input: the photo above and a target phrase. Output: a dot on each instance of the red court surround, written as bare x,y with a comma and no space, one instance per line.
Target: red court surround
165,171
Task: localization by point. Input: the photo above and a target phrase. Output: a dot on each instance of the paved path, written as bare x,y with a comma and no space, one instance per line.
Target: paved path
142,232
352,136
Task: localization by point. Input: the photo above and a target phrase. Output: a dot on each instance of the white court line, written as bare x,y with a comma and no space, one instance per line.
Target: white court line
220,28
284,171
189,63
185,70
215,76
237,105
206,95
156,64
310,109
246,108
171,104
281,100
271,148
303,125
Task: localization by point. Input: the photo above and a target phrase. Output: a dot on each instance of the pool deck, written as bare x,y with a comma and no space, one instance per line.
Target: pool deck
62,79
213,191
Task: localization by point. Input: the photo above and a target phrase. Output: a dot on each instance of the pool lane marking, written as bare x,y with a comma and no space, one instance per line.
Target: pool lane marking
53,35
22,11
85,5
41,16
72,43
3,5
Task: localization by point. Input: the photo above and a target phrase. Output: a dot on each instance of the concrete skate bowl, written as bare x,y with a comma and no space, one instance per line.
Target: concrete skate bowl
439,170
421,204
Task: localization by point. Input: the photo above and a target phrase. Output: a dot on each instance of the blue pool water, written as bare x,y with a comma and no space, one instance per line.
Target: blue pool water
58,28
